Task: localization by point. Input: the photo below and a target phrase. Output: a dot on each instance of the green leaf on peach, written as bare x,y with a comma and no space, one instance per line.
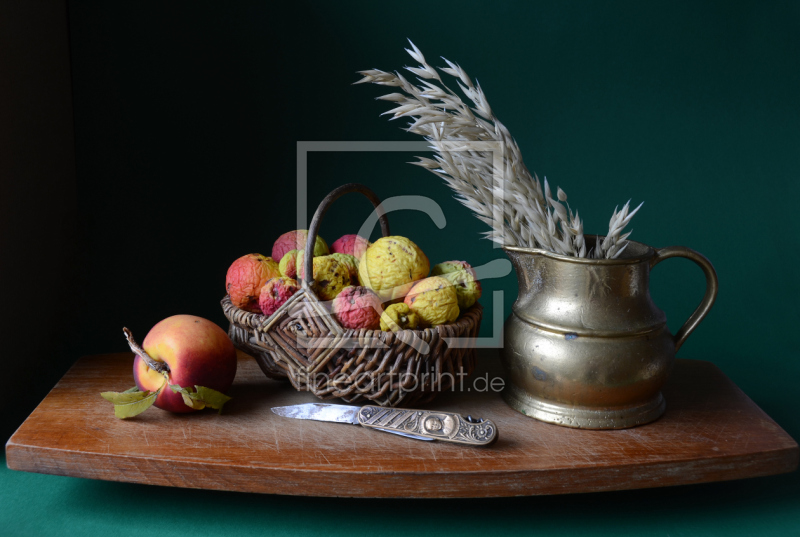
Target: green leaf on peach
202,397
128,396
133,408
197,405
132,401
188,397
212,398
177,389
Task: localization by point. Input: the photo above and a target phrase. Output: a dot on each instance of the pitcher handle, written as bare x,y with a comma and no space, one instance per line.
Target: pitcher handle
712,286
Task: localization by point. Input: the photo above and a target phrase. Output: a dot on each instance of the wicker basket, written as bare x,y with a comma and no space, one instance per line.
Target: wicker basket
303,342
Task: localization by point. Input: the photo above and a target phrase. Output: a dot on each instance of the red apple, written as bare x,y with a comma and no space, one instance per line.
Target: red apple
198,353
354,245
296,240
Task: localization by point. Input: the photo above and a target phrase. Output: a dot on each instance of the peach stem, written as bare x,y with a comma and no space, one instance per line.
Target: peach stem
159,366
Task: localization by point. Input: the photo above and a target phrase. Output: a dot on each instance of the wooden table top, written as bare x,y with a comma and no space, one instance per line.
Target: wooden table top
711,432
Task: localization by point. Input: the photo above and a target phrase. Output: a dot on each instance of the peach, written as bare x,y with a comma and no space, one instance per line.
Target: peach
197,352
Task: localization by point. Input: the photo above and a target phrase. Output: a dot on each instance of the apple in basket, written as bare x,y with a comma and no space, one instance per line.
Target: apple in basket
184,364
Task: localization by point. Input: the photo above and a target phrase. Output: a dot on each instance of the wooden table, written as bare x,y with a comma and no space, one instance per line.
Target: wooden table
710,432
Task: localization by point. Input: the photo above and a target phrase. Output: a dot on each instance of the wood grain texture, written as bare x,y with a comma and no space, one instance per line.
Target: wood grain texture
710,432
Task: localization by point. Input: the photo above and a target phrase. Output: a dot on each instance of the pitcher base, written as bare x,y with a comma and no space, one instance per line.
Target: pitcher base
582,417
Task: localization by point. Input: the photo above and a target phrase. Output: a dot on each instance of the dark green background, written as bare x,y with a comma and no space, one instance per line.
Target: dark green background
187,116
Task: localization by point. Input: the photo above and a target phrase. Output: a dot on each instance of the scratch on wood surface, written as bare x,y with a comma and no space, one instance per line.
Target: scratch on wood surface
301,444
321,454
89,432
719,431
277,440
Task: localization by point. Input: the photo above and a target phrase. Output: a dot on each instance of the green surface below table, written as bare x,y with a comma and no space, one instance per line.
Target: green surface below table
42,505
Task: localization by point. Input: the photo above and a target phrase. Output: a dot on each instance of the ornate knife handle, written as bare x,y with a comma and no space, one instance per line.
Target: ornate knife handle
434,425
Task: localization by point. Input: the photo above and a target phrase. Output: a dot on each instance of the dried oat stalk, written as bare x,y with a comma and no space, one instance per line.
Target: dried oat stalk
528,215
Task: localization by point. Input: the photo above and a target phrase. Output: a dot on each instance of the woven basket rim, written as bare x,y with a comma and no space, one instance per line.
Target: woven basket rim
259,319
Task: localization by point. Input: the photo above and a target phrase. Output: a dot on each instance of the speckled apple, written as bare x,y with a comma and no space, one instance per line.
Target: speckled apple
288,264
350,263
434,300
354,245
275,293
198,353
357,307
462,276
391,265
296,240
245,278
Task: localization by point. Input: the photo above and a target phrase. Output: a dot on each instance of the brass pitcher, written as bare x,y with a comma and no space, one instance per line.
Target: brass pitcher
584,345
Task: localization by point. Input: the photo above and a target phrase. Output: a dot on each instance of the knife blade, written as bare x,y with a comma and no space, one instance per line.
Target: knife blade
425,425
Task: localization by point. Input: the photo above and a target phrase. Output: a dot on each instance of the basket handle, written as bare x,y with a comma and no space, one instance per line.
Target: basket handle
313,229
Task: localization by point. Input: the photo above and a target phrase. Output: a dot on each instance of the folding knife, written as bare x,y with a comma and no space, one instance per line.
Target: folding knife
418,424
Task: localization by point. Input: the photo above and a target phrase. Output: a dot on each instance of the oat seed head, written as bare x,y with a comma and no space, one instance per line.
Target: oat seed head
530,216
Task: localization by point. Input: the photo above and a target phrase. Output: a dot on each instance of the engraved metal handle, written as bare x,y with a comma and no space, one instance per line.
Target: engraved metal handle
712,286
429,425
